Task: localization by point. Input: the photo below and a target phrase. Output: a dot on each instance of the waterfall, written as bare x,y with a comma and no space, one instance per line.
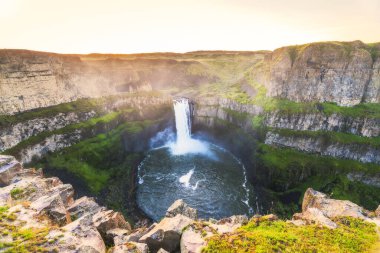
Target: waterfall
182,121
184,143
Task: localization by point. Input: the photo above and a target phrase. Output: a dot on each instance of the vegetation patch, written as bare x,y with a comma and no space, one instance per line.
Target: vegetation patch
352,235
290,172
94,159
17,193
21,240
89,124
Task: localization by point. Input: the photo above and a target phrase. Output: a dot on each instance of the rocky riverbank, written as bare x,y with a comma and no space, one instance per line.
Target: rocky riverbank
41,214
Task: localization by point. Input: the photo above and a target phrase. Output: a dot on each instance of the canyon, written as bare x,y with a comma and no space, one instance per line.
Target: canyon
305,116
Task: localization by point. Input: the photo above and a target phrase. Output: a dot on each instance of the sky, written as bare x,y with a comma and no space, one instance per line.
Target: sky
133,26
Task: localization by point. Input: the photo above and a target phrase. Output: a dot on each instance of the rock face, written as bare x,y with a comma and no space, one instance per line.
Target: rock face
360,152
367,127
9,168
31,79
11,135
318,208
344,73
50,144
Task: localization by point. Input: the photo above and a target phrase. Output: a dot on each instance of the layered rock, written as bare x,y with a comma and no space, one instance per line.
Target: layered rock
360,152
30,79
344,73
11,135
368,127
49,144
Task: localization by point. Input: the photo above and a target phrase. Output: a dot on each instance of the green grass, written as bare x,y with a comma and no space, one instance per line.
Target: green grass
23,240
283,158
260,235
292,172
329,137
16,193
94,160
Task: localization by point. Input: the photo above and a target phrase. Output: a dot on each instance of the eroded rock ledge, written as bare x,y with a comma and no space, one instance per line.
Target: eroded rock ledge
46,208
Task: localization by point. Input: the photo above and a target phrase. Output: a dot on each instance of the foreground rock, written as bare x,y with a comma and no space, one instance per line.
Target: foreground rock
318,208
180,207
46,207
46,204
167,233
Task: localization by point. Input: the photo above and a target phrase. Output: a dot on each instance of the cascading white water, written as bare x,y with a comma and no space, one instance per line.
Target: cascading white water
185,144
182,121
206,176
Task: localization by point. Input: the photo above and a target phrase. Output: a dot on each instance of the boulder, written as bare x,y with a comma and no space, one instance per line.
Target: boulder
180,207
135,235
78,236
192,241
106,220
51,205
331,207
131,247
162,251
66,192
167,233
9,167
84,206
314,216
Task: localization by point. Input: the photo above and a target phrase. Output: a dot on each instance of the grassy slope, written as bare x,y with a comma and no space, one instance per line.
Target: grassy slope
261,235
293,172
95,159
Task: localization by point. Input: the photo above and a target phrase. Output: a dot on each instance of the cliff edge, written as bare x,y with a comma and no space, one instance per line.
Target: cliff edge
40,214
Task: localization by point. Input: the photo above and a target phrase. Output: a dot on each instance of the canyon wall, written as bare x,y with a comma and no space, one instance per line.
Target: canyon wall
344,73
30,80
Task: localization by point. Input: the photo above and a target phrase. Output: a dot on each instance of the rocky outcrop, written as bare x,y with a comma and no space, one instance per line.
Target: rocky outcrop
208,110
11,135
360,152
9,167
180,207
344,73
167,233
318,208
46,207
368,127
50,144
